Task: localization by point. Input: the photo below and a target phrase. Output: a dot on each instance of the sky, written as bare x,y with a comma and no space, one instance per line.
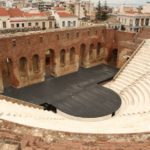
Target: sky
118,2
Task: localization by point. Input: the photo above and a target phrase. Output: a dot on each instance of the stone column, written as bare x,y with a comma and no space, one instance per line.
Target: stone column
56,70
140,20
1,82
144,22
1,78
86,59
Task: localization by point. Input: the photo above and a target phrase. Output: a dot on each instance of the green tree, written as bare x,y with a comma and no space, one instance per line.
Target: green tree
105,12
105,5
98,11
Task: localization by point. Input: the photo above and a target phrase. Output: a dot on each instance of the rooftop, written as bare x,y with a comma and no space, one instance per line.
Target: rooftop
65,14
16,12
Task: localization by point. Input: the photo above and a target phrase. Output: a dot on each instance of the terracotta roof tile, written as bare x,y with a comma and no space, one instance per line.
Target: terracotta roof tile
15,12
65,14
3,12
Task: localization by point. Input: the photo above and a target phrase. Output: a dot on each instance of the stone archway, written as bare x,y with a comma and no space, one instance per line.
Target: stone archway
113,56
62,58
35,63
72,55
82,55
49,62
98,49
23,66
91,52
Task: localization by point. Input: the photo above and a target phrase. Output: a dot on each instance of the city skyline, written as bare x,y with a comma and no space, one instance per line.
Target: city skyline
119,2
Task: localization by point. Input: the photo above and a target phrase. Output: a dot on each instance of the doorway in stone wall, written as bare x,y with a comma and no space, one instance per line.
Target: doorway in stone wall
7,72
112,60
82,55
49,62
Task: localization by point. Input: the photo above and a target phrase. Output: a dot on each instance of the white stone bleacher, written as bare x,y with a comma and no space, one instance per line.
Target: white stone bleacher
132,117
47,120
132,83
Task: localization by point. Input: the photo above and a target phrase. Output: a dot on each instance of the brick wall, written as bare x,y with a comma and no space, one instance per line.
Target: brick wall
18,137
26,45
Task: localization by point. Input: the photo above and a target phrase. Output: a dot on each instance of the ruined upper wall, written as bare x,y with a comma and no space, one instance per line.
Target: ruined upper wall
26,45
13,47
54,39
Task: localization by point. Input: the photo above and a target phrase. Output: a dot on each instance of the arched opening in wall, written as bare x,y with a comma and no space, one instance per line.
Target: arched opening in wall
23,66
49,61
91,52
35,63
113,57
62,58
7,72
98,49
72,55
82,55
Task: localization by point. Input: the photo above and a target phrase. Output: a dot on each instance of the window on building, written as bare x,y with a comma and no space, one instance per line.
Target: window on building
63,23
69,23
17,25
13,42
142,22
43,25
29,24
23,25
12,25
131,22
74,23
4,24
50,24
137,22
147,21
36,24
77,34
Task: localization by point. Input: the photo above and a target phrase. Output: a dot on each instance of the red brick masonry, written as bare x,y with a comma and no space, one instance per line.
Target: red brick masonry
18,137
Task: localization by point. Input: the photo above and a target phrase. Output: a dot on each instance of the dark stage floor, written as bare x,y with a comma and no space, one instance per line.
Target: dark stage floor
77,94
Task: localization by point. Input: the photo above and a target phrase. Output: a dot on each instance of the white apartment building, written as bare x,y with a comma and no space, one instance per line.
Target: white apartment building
132,19
15,18
84,9
65,19
132,22
146,8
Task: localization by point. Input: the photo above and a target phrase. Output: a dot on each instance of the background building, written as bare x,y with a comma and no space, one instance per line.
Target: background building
65,19
14,18
132,18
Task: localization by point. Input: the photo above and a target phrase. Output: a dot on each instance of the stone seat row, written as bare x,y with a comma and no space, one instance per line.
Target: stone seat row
133,83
